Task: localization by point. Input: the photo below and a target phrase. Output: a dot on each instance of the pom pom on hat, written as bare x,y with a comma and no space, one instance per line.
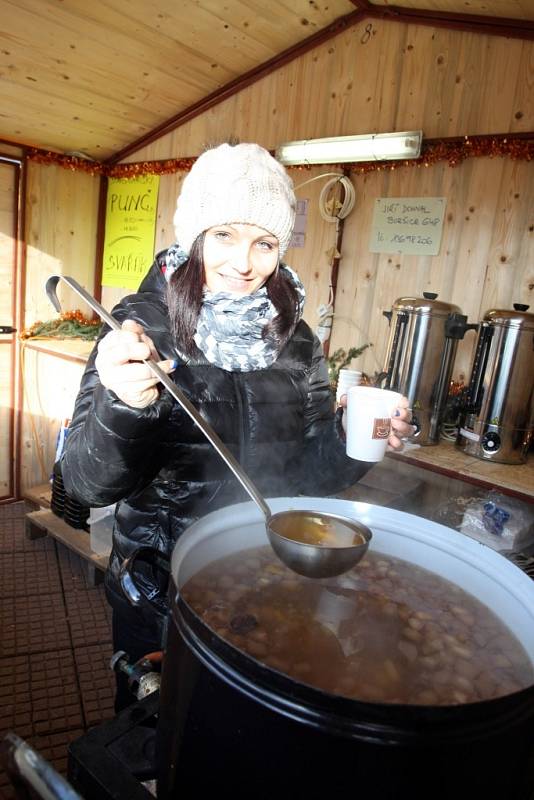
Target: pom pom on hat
241,183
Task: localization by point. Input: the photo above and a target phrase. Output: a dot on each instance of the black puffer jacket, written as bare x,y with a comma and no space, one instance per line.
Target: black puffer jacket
278,422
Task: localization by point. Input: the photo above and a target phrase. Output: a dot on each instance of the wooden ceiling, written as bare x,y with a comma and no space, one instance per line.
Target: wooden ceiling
95,77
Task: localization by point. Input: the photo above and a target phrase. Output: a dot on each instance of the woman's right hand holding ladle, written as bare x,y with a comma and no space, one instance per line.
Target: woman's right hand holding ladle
121,369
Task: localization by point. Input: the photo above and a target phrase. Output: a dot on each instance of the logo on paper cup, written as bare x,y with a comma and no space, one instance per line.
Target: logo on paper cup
381,428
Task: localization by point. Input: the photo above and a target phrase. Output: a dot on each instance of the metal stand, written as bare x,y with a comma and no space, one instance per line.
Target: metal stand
112,761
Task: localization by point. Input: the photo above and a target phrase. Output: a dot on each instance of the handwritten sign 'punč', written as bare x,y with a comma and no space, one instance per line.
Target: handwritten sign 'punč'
130,228
411,225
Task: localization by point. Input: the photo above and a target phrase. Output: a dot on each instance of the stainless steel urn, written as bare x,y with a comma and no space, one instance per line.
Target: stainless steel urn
497,422
424,334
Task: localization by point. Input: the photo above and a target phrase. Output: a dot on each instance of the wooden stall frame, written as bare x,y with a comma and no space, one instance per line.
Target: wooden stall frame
17,293
494,26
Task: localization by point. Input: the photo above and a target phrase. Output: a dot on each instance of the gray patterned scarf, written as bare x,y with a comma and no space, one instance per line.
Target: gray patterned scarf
230,326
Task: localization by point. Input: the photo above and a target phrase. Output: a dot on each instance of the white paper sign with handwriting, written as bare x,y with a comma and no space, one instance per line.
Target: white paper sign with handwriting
411,225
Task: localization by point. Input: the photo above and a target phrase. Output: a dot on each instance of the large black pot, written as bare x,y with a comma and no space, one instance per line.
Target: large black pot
231,724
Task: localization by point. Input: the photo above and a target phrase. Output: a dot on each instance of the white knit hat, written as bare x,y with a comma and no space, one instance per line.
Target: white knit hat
241,183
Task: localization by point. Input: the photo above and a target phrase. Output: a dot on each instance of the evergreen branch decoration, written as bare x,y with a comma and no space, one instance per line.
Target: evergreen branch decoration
340,359
69,325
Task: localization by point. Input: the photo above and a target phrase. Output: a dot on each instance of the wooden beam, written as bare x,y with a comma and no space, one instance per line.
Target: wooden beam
100,236
478,136
240,83
19,289
334,272
476,23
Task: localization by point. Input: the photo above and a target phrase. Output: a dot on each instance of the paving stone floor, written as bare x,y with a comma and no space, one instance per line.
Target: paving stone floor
55,644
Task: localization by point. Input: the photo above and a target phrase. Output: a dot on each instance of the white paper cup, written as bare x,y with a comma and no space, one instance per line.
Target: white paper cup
346,379
369,413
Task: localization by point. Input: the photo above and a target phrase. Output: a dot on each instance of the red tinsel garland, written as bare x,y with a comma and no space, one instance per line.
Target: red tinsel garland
518,147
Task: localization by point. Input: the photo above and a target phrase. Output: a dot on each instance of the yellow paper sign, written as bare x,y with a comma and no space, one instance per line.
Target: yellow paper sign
130,227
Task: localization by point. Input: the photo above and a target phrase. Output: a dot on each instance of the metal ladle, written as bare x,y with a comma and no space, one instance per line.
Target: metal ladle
312,543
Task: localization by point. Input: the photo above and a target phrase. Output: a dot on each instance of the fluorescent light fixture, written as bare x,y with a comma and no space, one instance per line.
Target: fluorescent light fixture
369,147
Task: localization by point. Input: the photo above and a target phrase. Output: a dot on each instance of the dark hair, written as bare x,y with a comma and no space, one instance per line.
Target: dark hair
184,297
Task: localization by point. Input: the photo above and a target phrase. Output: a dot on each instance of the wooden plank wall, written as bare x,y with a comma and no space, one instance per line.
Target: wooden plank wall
385,76
486,258
50,386
8,206
10,150
61,223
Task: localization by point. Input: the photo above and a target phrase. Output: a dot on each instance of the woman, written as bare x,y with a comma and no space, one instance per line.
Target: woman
222,313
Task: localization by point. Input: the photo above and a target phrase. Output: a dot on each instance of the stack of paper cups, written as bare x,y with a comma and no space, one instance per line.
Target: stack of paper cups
346,379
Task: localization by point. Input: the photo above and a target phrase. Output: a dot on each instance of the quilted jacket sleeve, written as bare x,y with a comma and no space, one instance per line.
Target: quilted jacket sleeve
325,467
111,447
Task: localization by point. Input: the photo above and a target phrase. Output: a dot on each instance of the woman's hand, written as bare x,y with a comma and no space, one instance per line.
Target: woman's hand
120,367
401,425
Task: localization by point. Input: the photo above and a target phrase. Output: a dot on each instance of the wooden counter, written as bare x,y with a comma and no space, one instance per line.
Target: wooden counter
68,349
51,370
46,523
43,522
445,458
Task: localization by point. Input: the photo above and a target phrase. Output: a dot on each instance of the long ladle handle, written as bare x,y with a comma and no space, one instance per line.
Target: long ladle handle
187,406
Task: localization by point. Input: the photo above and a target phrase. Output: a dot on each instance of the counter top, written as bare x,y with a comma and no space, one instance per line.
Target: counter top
516,480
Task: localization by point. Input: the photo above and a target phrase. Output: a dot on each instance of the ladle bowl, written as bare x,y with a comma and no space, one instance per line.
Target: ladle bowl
317,545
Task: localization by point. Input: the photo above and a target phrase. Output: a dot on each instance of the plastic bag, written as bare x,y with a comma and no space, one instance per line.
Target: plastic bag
503,523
